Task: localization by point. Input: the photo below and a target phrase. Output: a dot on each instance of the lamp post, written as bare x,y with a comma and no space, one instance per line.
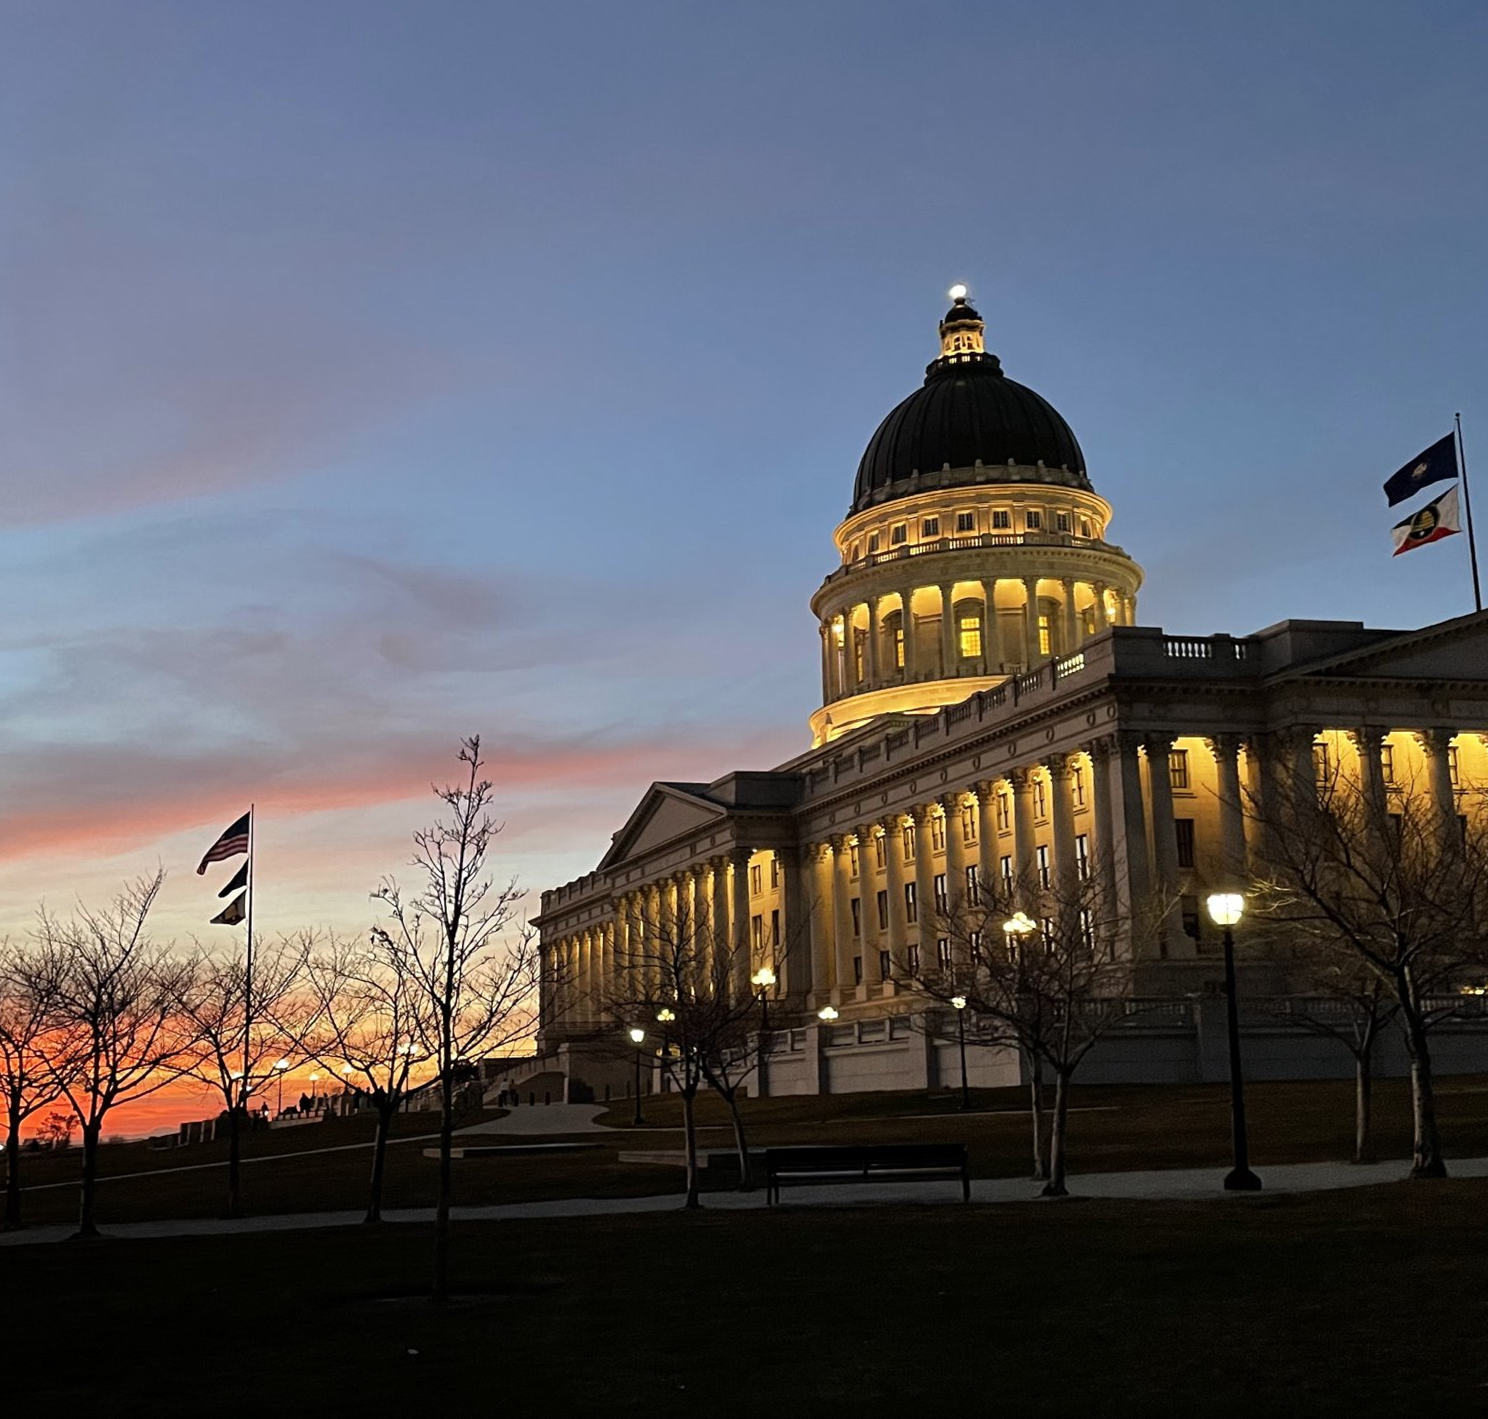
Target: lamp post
1017,930
637,1038
664,1017
280,1066
314,1085
1226,908
959,1002
762,980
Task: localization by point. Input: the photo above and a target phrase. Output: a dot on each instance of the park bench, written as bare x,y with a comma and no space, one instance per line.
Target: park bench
887,1162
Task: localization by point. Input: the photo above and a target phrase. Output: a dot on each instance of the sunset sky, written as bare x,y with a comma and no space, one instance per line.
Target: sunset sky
374,374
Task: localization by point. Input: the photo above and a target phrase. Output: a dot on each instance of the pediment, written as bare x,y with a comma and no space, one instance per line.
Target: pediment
1452,650
664,815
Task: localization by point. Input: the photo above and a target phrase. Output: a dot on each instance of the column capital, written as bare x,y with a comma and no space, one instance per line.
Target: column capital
986,788
952,802
1367,737
1224,745
1021,778
891,822
1435,740
838,842
817,853
1158,743
922,812
1101,747
1059,766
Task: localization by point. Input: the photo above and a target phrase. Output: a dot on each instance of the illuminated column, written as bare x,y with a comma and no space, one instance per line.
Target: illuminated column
1062,814
666,891
986,792
1023,860
826,664
1030,620
697,892
947,632
924,886
1102,621
893,827
620,963
1132,815
1165,843
992,651
718,916
1370,744
793,959
875,678
867,907
1071,632
955,851
739,920
823,927
842,937
1436,745
1226,751
1100,752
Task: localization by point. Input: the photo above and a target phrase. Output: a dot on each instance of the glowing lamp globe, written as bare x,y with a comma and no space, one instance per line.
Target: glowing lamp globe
959,1001
958,292
637,1036
1226,908
826,1013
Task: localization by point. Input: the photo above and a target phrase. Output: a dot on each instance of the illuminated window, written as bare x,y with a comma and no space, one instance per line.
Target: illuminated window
774,870
1077,785
872,543
971,637
757,931
1061,522
911,906
898,646
1002,520
1046,636
914,960
1084,527
1082,857
898,533
1040,802
852,859
942,903
972,884
974,940
860,655
965,522
1178,768
879,856
1452,764
1006,869
937,832
1387,762
943,952
754,878
1184,829
1042,855
908,836
1002,812
1322,768
1033,519
968,823
930,527
854,552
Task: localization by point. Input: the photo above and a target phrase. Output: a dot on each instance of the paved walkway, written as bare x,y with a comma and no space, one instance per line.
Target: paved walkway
1175,1184
534,1119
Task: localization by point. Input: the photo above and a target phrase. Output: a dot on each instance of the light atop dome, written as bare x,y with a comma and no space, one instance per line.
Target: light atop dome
958,292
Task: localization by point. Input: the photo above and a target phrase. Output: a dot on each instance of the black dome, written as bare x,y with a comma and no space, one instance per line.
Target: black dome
968,412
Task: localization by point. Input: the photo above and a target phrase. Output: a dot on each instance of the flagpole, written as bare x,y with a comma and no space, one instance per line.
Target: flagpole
248,965
1472,544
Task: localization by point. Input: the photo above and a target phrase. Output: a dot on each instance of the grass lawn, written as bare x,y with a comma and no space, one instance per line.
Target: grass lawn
1350,1303
1113,1128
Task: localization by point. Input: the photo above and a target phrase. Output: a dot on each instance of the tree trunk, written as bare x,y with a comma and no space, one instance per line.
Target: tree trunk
379,1157
234,1160
1036,1108
87,1227
1055,1186
689,1137
1426,1156
741,1145
12,1172
1363,1089
442,1205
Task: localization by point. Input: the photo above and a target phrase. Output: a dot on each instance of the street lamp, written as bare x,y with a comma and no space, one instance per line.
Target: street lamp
314,1083
1226,908
959,1002
637,1038
1017,929
280,1065
827,1014
762,980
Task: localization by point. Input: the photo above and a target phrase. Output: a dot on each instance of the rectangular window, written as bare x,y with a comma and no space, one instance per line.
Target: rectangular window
970,636
879,854
1452,765
872,543
1322,768
1178,768
1002,520
943,952
1387,762
860,654
883,911
885,966
1082,857
1395,828
965,522
774,870
1033,519
942,905
1040,802
972,886
754,878
1005,867
1084,527
1087,927
757,931
857,970
898,647
909,840
930,527
911,907
857,917
937,832
1077,786
1046,636
1184,829
914,959
968,823
775,927
898,534
1061,522
1041,853
974,941
852,860
1189,907
1002,812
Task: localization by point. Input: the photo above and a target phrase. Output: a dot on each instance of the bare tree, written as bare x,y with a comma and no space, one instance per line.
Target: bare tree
1055,986
242,1021
371,1024
1388,889
473,965
114,1034
26,1000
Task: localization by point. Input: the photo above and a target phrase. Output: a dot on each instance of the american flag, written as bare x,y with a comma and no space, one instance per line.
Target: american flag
233,841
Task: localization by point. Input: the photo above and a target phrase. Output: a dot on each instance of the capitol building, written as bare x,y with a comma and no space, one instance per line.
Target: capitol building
993,709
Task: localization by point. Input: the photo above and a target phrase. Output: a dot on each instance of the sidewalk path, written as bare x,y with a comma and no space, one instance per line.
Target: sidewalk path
1176,1184
544,1118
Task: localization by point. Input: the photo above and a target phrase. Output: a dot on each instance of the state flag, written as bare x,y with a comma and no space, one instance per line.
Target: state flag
233,841
239,879
1436,465
232,913
1439,518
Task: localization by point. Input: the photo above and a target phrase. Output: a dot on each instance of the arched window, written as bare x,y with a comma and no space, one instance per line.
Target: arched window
893,632
970,630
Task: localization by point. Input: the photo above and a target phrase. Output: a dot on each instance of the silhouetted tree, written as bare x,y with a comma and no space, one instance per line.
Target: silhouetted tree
26,1002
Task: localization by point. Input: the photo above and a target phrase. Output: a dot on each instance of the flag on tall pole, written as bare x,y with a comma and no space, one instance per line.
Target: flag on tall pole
1439,518
232,913
1436,464
239,879
234,840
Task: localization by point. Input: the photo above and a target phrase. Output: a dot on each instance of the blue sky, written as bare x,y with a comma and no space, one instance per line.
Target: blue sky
372,374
